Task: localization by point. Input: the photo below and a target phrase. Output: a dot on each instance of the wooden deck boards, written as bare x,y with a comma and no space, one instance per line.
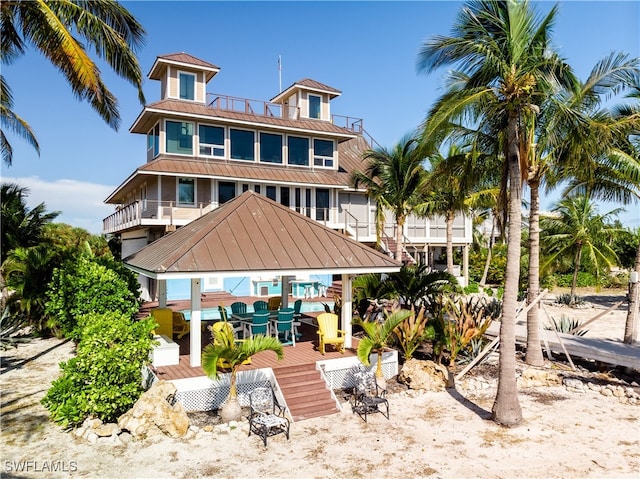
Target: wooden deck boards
304,352
603,350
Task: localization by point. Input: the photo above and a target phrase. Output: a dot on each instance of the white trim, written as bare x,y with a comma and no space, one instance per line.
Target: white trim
195,83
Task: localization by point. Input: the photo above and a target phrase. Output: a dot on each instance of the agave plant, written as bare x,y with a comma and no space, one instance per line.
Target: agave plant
377,336
233,353
567,325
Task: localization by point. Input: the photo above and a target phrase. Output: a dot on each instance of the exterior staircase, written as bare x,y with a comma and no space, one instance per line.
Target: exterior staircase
305,392
390,244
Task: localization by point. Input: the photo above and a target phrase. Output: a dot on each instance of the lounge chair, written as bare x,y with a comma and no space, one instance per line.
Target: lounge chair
267,417
328,332
180,325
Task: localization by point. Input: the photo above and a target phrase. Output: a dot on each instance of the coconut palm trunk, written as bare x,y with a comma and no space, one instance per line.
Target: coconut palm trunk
450,217
631,325
506,407
534,355
400,220
485,273
576,269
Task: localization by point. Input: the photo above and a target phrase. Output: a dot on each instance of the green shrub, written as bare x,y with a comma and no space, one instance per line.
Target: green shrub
471,288
104,379
83,286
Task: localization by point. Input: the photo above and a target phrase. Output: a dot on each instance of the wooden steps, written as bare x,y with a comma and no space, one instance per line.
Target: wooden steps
305,392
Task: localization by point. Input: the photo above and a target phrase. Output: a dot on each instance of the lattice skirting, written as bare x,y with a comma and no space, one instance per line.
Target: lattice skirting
203,394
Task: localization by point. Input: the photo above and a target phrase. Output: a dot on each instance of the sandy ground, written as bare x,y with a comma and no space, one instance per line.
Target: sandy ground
445,434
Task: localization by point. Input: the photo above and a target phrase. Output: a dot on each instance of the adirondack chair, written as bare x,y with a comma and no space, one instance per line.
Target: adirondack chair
180,325
328,332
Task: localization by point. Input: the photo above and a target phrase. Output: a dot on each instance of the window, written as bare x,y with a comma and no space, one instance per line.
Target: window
271,192
284,196
226,191
245,187
298,151
211,140
322,205
153,142
257,189
270,148
242,145
179,137
186,191
307,202
298,200
187,85
314,106
323,153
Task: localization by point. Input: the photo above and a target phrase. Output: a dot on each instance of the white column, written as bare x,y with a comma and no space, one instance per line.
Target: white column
195,357
465,264
162,293
347,309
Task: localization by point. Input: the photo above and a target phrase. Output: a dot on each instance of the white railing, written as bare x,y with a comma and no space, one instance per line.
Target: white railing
142,212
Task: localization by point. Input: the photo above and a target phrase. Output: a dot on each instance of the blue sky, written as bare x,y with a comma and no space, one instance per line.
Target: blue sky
368,50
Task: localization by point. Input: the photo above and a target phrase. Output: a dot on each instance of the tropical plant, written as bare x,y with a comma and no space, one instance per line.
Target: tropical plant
411,332
392,178
506,67
465,319
416,286
225,347
367,287
567,325
13,123
82,286
49,27
10,326
575,227
103,380
569,299
377,336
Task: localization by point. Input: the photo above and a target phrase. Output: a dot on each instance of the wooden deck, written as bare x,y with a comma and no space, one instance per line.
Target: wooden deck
606,351
304,352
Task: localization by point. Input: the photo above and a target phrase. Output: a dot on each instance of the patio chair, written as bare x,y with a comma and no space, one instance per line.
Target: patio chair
274,303
297,306
224,314
238,307
164,318
260,306
285,328
267,417
259,324
328,332
368,397
223,332
180,325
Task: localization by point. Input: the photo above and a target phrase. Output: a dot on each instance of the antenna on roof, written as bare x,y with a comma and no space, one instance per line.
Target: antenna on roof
280,71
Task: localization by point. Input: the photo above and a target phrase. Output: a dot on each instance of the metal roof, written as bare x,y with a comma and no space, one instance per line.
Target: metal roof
252,234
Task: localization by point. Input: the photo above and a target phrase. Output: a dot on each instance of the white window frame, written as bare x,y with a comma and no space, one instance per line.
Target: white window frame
213,147
166,136
309,96
195,191
195,82
322,158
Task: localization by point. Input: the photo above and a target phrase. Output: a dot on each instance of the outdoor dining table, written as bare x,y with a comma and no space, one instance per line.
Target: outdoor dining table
245,319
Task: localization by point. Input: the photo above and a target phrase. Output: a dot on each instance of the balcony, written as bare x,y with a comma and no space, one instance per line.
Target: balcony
146,213
274,110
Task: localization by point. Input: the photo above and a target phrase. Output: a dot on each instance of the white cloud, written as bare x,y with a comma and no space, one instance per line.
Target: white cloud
80,203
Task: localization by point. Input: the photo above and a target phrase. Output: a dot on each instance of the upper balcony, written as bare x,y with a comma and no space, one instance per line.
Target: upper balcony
275,110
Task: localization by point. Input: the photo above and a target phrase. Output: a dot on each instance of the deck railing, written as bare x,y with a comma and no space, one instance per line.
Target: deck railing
275,110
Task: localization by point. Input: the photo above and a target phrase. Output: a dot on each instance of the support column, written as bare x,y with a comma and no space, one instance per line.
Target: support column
347,309
195,334
162,293
285,291
465,264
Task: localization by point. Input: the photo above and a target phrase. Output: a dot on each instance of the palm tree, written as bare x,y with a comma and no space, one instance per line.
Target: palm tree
49,27
446,193
506,66
234,353
570,130
575,228
377,336
392,178
10,121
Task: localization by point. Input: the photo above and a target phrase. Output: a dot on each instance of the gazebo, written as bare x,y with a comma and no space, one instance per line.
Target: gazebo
252,234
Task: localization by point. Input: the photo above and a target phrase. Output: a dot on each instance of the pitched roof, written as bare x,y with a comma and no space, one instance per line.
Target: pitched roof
181,59
253,234
307,84
176,108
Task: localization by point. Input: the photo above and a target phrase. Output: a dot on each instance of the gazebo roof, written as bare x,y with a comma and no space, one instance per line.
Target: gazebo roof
252,234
